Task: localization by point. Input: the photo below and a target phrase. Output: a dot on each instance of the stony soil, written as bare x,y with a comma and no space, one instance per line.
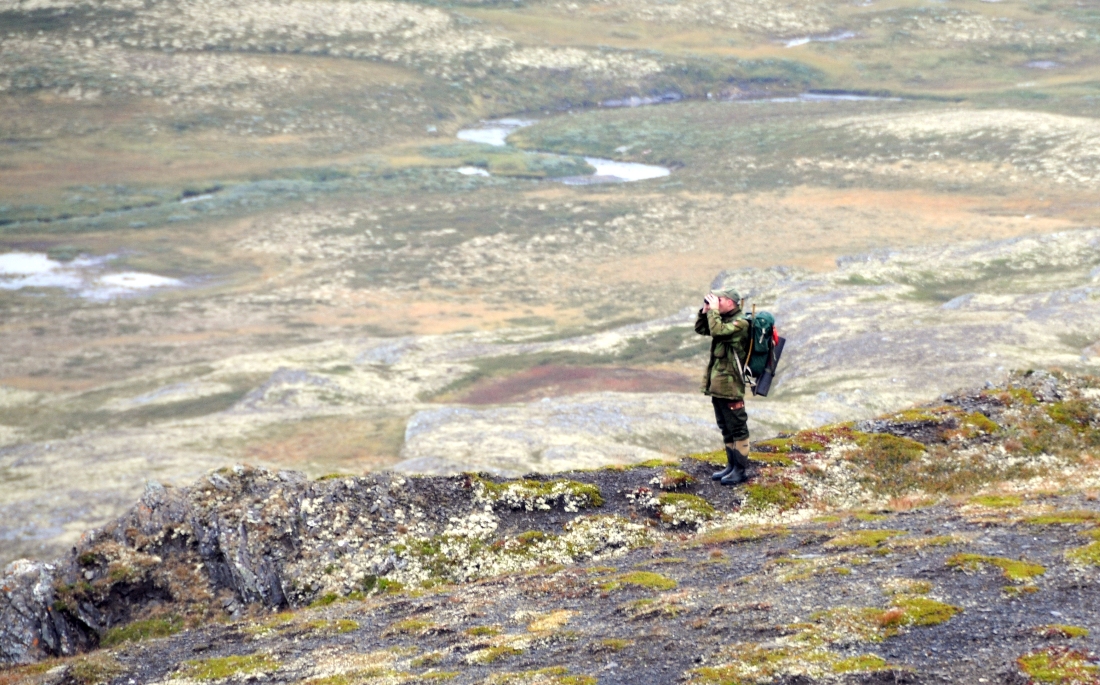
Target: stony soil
943,574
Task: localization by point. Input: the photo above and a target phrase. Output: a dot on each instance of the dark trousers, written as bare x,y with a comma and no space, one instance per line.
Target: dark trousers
732,418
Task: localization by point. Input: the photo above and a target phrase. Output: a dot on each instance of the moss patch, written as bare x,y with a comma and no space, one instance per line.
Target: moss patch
554,675
1089,555
226,666
143,630
612,644
886,463
643,579
1064,518
540,495
722,536
674,479
769,493
906,587
1059,630
94,669
492,654
865,663
410,626
676,508
338,627
772,459
1061,665
862,538
717,458
1015,570
921,611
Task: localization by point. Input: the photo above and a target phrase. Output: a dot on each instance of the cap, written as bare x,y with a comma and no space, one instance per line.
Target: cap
730,293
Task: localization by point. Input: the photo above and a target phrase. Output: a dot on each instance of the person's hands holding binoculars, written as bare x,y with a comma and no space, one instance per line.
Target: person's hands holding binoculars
710,302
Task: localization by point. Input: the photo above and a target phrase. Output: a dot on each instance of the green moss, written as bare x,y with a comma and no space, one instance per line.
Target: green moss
673,479
695,506
766,493
614,644
94,669
717,458
335,476
1018,590
754,664
977,423
1068,518
923,542
429,659
530,537
919,415
483,631
868,516
772,459
1076,414
643,579
324,600
722,536
906,587
493,654
862,538
223,667
864,663
921,611
1019,396
1059,630
884,459
525,492
1014,570
997,501
803,442
1089,555
382,586
142,630
657,463
409,626
339,626
554,675
1059,665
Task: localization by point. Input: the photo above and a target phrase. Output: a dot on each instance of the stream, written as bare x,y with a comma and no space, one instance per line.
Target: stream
496,133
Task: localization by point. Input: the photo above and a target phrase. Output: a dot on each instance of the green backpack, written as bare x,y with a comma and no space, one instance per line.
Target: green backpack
765,346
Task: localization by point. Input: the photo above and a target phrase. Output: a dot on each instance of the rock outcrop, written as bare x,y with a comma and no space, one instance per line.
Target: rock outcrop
935,544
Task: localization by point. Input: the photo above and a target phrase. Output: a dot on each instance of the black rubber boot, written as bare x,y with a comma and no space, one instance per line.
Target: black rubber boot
726,471
739,467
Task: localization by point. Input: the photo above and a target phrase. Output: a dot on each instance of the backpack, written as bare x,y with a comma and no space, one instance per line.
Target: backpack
762,356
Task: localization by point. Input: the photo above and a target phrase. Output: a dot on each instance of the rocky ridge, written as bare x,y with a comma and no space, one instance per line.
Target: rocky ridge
946,543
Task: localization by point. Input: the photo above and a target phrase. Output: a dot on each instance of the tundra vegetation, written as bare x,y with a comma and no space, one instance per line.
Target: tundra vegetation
474,578
245,230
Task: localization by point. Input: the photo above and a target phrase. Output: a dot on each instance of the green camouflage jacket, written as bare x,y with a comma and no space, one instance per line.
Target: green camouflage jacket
729,339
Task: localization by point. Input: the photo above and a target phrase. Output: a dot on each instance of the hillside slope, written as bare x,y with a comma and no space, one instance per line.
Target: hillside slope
947,543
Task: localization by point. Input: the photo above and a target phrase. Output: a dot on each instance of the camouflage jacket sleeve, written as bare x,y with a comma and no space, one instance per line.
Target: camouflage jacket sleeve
736,327
701,325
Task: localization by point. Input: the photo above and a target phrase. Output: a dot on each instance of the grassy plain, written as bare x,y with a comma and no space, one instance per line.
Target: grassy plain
295,167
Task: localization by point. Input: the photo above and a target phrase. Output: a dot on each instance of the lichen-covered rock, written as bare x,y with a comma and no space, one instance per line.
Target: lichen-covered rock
29,627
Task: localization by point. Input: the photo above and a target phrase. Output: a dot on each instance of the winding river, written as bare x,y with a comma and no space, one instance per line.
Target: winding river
496,133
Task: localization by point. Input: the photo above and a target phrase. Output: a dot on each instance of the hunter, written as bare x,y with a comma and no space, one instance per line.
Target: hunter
724,380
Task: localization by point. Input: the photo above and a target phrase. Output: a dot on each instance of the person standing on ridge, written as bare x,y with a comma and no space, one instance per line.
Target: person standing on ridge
724,381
